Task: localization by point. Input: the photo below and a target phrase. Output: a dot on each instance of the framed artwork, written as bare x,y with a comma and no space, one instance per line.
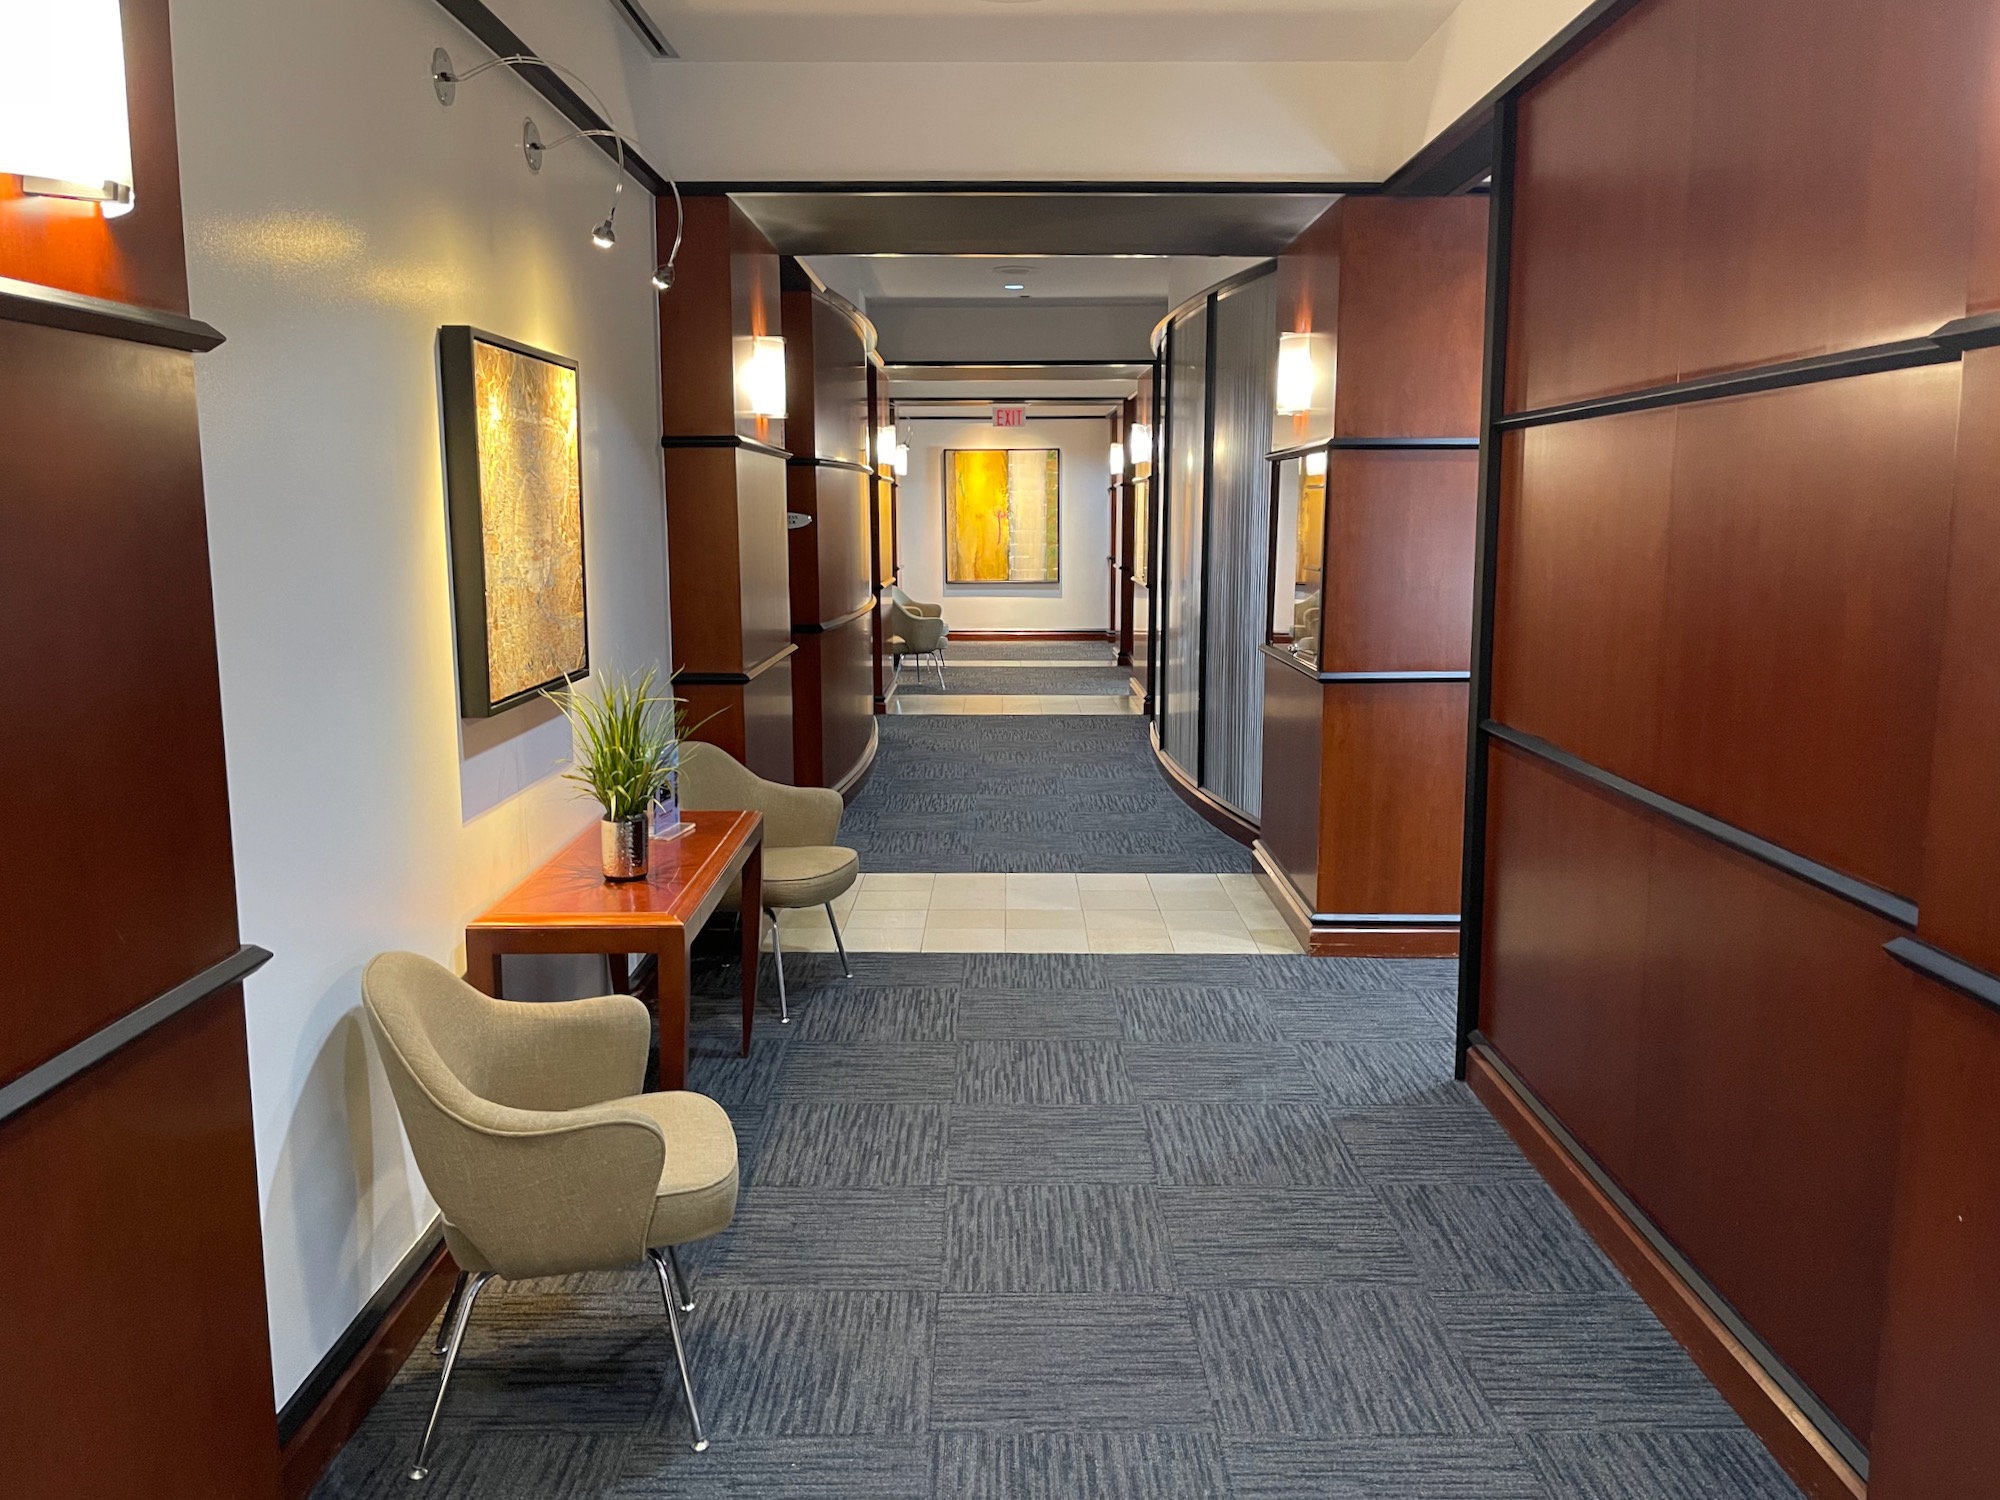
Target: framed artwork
514,485
1002,515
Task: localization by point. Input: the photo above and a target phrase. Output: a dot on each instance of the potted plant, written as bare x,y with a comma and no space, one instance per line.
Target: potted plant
627,747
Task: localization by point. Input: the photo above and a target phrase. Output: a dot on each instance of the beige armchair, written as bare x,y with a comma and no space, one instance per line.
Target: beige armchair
918,636
545,1158
911,606
802,865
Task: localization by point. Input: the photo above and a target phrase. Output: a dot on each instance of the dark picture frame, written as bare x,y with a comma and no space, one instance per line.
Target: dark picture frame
947,519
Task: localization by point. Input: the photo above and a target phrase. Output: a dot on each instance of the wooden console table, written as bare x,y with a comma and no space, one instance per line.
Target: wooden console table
568,906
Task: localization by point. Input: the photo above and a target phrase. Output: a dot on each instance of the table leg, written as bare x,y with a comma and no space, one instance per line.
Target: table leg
620,967
482,962
672,1008
753,935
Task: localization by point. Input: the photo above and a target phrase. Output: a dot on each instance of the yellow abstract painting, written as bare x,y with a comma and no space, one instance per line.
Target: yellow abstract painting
1003,510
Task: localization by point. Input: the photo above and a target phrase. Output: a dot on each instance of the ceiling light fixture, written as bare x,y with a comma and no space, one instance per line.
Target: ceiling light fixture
64,126
1013,286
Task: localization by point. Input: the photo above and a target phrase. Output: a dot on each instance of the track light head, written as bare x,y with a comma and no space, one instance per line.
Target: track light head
663,278
604,236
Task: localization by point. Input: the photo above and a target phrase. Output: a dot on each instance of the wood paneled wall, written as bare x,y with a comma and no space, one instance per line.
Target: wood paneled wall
1739,682
728,554
831,484
135,1356
1363,755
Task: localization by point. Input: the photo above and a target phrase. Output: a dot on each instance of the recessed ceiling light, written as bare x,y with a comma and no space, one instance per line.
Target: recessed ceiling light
1013,286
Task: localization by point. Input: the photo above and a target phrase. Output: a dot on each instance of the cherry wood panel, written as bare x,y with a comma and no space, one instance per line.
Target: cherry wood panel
1960,900
1807,552
704,572
1392,797
1289,826
1308,293
106,629
136,1360
830,558
847,697
725,292
751,720
1940,1379
1582,583
138,257
1400,533
1412,316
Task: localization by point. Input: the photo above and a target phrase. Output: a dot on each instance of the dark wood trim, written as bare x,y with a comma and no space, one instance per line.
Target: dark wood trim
724,440
1337,935
1365,445
808,461
1028,635
1278,654
1210,356
1979,331
344,1387
1212,809
1934,963
498,38
1011,364
1873,359
973,187
1485,575
51,307
825,625
737,679
47,1077
850,785
1770,1400
1898,909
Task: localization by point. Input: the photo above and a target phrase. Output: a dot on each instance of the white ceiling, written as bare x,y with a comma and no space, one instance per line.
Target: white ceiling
904,31
864,279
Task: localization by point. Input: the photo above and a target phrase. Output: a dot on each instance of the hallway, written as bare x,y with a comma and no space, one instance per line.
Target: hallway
1064,1227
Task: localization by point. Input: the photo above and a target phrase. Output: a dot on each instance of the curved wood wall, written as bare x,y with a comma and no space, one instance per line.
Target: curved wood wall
1738,683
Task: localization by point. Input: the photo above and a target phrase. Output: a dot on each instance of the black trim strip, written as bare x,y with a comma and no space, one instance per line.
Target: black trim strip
1366,444
316,1387
1905,354
1809,1405
1898,909
749,674
1384,919
1394,676
808,461
100,1044
1016,364
1980,331
498,38
1934,963
891,188
51,307
824,626
1221,288
729,440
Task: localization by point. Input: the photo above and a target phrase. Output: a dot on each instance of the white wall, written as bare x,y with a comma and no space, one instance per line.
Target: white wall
336,217
1479,44
1081,599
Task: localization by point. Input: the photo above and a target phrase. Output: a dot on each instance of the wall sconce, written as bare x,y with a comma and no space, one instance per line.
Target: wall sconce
1295,373
762,380
1117,459
902,463
64,127
885,447
1316,463
1141,437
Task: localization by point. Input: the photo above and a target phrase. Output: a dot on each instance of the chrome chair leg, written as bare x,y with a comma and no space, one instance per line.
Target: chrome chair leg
938,656
680,1349
450,1310
460,1318
680,1279
778,950
834,923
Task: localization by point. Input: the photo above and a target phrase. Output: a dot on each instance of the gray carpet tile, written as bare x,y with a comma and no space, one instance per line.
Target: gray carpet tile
1564,1362
1092,651
854,1145
1067,1362
1246,1145
797,1468
1216,1073
829,1363
1284,1237
1511,1236
1067,1237
1040,1143
1370,1468
1160,1464
1064,681
1065,792
1003,1015
1067,1225
1022,1072
1195,1013
1655,1465
1324,1361
836,1237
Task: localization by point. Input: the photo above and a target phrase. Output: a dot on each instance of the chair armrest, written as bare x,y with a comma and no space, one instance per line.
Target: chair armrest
927,611
548,1193
800,816
566,1054
924,632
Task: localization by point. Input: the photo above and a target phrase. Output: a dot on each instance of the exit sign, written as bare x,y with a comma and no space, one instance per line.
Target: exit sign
1010,416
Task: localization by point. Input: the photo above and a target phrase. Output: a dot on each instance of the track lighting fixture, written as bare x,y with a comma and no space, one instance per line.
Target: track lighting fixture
604,236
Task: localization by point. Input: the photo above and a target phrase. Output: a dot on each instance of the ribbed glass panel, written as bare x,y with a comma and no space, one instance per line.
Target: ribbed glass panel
1238,539
1187,422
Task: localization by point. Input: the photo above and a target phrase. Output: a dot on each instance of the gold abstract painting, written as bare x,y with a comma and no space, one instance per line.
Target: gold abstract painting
1002,515
513,458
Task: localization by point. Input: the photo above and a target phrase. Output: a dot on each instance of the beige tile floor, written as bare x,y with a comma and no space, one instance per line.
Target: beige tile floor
1005,703
1047,914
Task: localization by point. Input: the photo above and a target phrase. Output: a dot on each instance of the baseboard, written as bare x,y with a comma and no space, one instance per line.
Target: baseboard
1745,1380
343,1388
1217,813
850,785
1325,938
1026,635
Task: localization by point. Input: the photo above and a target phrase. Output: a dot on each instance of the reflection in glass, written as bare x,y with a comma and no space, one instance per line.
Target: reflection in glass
1299,553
